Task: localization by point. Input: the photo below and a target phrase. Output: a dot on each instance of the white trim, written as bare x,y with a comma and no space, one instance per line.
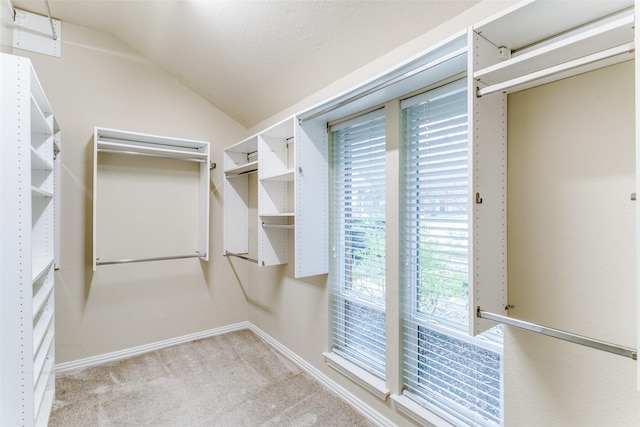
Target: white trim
136,351
371,414
364,379
417,412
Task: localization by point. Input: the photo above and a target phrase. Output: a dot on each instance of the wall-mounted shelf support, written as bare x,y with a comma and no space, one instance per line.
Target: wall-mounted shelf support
556,333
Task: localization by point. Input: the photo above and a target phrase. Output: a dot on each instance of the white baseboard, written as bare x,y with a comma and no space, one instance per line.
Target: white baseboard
135,351
371,414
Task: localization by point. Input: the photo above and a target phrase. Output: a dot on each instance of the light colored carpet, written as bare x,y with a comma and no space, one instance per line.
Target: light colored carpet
235,379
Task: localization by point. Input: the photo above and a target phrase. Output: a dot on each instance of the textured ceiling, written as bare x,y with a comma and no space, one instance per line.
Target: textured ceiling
254,58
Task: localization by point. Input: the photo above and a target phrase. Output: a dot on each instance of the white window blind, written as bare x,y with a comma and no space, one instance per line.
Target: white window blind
444,369
358,241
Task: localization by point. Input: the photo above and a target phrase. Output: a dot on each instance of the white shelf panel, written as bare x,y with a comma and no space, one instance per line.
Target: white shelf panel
40,395
37,192
286,176
38,95
39,162
40,266
45,408
41,358
39,122
40,330
242,169
566,48
278,215
41,297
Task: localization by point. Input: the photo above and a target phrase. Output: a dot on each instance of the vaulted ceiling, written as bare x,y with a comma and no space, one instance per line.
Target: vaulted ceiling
254,58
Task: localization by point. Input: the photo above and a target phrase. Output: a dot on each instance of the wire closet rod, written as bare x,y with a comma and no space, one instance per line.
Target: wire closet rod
387,83
547,72
241,257
556,333
284,226
132,260
160,156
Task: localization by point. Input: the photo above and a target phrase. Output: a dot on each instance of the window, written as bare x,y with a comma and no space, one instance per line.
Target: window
358,241
444,368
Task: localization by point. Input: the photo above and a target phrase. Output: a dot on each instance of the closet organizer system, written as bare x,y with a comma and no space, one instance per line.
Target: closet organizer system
29,212
111,141
530,44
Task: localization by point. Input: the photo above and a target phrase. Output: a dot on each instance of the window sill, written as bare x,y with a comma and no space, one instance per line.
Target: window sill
418,413
364,379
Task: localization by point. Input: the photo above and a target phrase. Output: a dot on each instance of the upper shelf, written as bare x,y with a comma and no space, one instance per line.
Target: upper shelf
577,44
573,50
115,141
242,169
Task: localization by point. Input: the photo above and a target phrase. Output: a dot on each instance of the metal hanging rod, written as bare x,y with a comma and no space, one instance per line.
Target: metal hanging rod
133,260
556,333
241,257
233,175
53,30
135,153
391,81
547,72
283,226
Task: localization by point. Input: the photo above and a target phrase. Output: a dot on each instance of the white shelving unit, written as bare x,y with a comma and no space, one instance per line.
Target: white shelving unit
291,197
137,144
29,193
526,46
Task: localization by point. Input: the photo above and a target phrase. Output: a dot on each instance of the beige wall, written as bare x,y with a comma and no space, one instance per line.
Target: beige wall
99,82
571,250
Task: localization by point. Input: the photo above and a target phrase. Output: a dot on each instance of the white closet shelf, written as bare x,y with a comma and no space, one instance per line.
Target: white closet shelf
278,215
242,169
47,402
567,47
39,122
37,192
41,297
39,266
39,162
56,137
41,358
40,330
41,388
283,176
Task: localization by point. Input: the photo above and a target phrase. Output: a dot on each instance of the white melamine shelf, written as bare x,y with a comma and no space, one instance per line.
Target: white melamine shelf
36,192
284,176
38,120
242,169
39,162
39,266
278,215
41,358
41,329
41,389
41,297
47,401
617,31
